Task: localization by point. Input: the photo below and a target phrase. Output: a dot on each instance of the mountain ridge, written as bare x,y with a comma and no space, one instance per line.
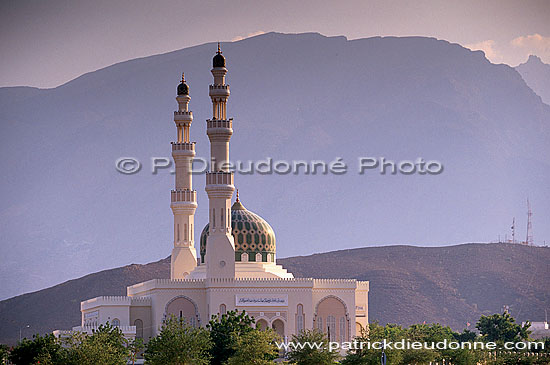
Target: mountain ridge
537,75
67,212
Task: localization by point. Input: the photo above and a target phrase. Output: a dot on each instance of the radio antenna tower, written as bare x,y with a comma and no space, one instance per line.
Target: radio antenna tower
529,240
514,230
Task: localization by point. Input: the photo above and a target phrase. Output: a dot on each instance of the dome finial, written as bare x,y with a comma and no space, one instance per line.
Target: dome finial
219,59
237,195
183,89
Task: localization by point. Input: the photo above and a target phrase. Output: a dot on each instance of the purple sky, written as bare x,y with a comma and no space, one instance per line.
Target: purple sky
46,43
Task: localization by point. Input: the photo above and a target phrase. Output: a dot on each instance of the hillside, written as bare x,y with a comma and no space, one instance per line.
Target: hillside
450,285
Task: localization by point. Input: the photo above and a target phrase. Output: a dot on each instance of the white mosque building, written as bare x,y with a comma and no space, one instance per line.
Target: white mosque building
236,267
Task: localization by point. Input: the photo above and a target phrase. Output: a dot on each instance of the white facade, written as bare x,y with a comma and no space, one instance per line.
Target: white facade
240,273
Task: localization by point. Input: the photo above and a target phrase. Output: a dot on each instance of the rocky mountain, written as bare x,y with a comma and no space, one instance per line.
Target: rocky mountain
451,285
67,212
537,75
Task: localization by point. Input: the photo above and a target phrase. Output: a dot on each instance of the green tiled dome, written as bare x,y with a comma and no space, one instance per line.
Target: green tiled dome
251,232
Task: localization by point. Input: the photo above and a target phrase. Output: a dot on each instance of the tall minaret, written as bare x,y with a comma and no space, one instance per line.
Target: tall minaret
220,247
184,198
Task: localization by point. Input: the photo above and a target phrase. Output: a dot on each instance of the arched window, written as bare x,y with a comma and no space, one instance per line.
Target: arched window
261,324
299,318
223,309
320,324
139,328
115,322
343,329
331,328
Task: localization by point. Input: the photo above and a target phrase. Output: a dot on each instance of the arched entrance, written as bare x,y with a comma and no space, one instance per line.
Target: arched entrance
184,308
331,317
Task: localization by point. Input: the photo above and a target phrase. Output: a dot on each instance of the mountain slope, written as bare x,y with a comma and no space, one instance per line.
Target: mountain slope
67,212
537,75
450,285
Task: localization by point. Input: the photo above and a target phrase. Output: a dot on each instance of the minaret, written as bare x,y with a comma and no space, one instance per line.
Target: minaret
220,247
184,198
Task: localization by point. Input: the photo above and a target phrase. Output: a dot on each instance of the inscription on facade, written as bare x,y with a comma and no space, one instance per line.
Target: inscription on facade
261,300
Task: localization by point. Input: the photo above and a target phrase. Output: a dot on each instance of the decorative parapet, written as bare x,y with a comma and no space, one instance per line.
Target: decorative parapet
146,287
219,178
335,284
219,123
105,301
141,301
183,146
183,116
151,285
183,195
220,91
219,87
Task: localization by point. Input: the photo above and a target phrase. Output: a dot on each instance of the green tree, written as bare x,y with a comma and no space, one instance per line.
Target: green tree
371,356
28,351
502,328
423,333
313,349
4,353
256,347
135,348
105,346
225,331
465,336
179,344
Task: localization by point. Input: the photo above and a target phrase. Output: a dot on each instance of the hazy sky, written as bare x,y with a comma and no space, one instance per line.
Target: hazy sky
46,43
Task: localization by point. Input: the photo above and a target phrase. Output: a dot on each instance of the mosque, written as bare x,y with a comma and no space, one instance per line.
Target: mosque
236,267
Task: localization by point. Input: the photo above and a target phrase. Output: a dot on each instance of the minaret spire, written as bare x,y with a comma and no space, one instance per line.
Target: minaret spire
183,197
220,246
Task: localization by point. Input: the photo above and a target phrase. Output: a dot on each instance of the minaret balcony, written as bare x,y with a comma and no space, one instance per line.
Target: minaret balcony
219,123
183,195
183,146
183,116
219,90
219,178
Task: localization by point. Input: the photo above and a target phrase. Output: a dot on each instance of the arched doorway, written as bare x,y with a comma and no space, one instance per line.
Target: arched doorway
279,327
183,308
331,317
